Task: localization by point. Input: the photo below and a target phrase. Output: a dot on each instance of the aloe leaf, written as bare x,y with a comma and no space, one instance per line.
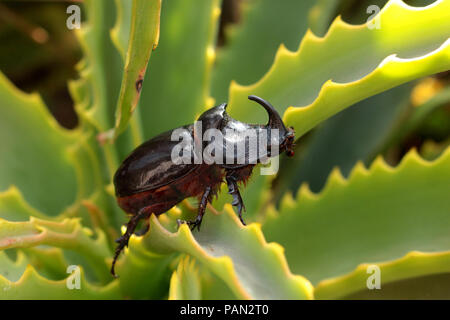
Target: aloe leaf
413,265
357,133
43,156
377,215
321,15
48,262
417,116
185,281
144,36
100,68
84,156
251,267
213,287
95,92
13,270
360,133
431,150
143,273
176,87
253,42
433,287
55,155
68,234
120,34
31,285
13,207
351,63
93,201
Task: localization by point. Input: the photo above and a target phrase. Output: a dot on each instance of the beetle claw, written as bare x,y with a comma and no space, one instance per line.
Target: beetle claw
241,207
192,224
195,224
123,242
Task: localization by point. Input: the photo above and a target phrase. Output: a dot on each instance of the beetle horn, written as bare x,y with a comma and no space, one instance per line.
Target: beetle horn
275,121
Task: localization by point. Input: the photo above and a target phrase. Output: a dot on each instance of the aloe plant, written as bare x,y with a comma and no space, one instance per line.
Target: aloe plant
155,67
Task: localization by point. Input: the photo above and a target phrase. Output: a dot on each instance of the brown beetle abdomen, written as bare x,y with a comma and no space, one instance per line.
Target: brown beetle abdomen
159,200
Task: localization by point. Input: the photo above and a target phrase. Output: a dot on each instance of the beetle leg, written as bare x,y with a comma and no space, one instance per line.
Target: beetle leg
233,189
201,211
123,240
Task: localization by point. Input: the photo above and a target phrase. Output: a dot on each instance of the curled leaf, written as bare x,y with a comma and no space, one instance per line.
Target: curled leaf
351,63
240,256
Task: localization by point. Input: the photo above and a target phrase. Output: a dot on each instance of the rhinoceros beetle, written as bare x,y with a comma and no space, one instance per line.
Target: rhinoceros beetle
149,181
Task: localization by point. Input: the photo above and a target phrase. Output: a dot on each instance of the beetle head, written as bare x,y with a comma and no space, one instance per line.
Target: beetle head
288,142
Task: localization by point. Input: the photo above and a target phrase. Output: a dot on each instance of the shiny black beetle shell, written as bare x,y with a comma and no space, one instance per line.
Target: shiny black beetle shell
150,165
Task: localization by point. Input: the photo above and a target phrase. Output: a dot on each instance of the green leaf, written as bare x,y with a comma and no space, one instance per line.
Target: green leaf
48,262
33,286
434,287
251,267
84,155
120,34
185,281
12,269
144,36
349,64
417,116
13,207
92,197
176,87
35,158
431,150
357,133
54,156
413,265
144,274
95,92
68,234
214,288
321,15
377,215
100,69
253,42
95,95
